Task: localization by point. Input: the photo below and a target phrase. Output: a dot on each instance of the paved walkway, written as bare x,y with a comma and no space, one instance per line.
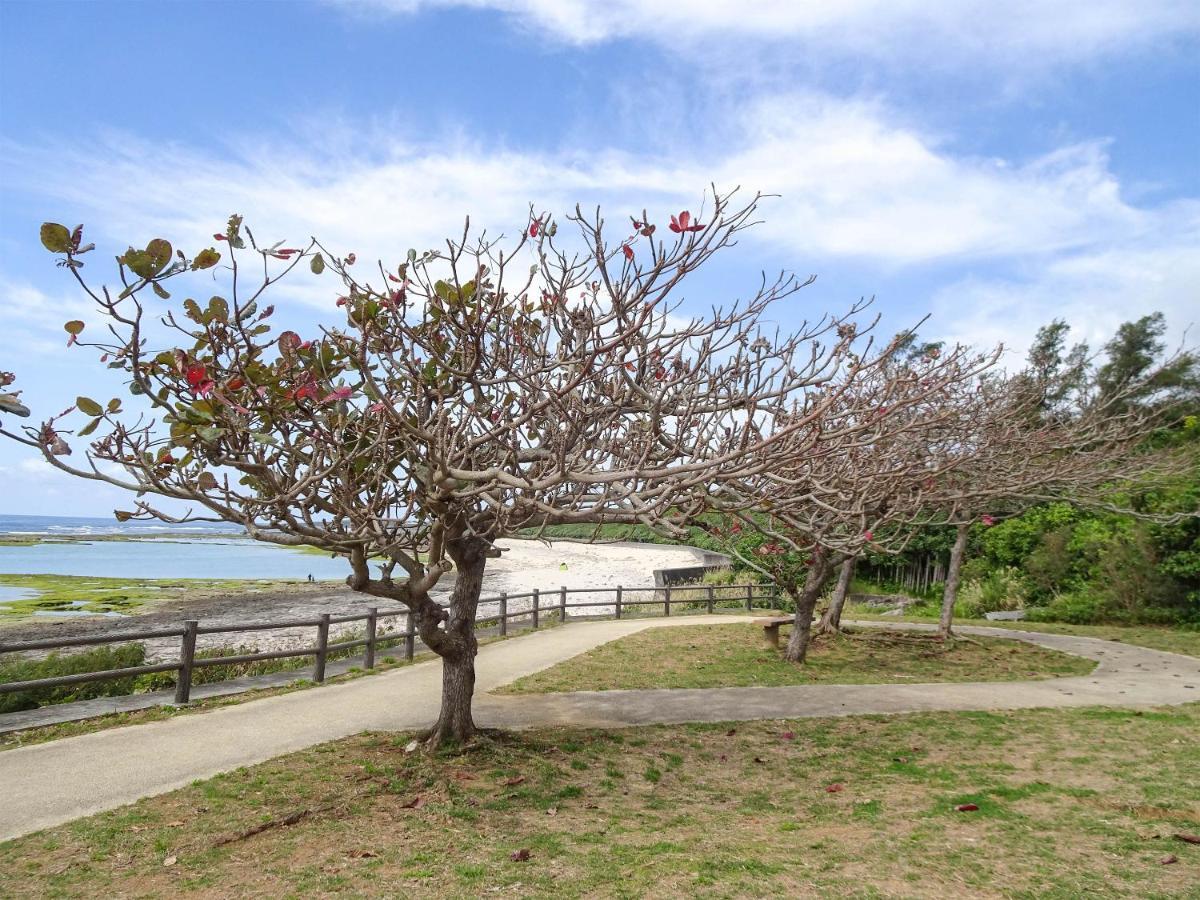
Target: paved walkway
47,784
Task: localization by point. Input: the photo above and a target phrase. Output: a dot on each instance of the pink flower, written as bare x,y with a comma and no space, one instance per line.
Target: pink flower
683,223
989,521
869,535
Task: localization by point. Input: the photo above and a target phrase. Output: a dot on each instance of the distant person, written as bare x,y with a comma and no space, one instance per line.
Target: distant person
311,579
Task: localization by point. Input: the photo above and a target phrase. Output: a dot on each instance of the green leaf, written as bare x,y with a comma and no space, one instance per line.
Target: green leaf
207,481
218,309
74,327
139,262
55,238
161,291
192,308
205,259
263,438
159,251
318,264
88,406
89,428
114,405
122,515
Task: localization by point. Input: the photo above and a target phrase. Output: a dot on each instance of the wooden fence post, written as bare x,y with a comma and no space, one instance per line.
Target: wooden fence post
372,624
667,601
535,607
503,613
618,601
322,648
562,604
187,658
710,599
749,598
410,639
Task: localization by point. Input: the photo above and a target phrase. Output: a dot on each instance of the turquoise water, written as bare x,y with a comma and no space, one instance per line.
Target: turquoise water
168,558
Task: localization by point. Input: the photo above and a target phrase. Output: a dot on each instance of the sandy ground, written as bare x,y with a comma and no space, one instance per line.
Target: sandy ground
524,565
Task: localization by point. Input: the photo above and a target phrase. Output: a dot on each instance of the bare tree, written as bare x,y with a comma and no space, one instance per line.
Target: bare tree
858,478
468,393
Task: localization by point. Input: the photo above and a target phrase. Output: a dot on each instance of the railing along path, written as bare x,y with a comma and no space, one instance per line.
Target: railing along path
188,660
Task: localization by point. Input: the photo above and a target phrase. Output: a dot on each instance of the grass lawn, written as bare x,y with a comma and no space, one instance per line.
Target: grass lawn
1070,803
698,656
1173,640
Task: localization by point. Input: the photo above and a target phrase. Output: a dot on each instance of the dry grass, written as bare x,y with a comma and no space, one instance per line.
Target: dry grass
1071,803
699,656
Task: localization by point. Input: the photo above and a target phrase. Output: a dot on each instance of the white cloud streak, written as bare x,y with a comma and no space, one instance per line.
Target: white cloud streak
975,32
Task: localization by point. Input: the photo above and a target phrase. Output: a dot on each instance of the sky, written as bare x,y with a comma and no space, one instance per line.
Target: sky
993,165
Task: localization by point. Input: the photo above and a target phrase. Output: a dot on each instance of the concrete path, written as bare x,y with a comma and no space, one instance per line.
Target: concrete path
47,784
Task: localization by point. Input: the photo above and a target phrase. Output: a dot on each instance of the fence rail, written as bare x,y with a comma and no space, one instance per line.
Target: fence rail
557,603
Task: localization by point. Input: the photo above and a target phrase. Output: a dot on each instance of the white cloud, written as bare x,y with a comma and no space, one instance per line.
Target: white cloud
1029,32
1094,291
854,183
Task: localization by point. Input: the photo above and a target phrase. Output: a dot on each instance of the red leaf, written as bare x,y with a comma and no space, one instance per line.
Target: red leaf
835,788
197,374
674,226
521,855
788,735
628,251
966,807
220,237
533,228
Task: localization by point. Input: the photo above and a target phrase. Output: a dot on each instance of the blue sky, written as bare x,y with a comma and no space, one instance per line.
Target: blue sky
994,165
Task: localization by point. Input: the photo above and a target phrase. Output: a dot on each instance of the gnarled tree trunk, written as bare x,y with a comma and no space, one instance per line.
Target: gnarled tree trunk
950,594
831,622
806,602
457,644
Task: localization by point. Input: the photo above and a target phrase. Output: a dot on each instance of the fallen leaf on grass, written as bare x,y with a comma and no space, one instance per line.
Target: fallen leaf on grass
175,824
552,811
513,782
1169,860
414,803
411,746
731,732
170,860
521,855
788,735
362,854
1188,838
835,788
759,759
462,775
966,807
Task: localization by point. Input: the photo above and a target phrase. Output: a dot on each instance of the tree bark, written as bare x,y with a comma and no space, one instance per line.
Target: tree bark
831,622
950,594
457,644
806,602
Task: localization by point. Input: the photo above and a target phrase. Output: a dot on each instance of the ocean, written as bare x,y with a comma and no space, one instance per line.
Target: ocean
154,550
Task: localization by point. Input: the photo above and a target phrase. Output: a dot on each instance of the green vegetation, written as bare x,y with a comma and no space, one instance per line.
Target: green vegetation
701,656
1070,803
98,659
58,593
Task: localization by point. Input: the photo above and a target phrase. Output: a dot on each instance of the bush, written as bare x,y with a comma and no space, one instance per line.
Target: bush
1001,589
101,659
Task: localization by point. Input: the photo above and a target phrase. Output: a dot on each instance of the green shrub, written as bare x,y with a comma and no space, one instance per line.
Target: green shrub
1001,589
98,660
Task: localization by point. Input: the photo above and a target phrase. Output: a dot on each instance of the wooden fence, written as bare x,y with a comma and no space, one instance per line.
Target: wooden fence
703,598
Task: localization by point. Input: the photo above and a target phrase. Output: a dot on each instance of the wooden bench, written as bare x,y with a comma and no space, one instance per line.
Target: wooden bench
771,629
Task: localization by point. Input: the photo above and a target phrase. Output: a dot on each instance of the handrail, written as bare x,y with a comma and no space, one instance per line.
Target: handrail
552,602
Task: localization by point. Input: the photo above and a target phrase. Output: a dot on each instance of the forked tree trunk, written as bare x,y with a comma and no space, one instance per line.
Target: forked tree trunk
831,622
806,602
950,594
457,645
